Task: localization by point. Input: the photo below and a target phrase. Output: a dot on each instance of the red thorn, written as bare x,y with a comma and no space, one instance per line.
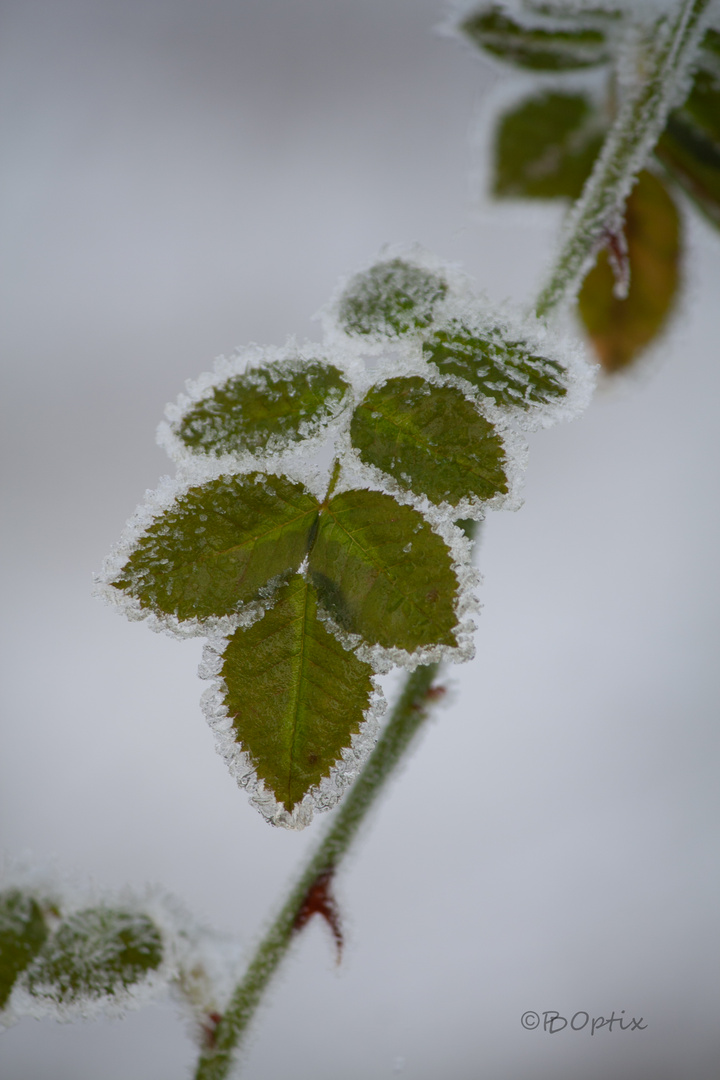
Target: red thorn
436,692
209,1029
319,900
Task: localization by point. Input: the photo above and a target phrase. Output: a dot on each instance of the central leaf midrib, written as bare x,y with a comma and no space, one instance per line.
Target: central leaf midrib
295,707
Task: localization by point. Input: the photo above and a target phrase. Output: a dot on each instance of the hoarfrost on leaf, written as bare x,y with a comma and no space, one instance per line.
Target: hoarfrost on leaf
263,400
218,545
390,299
432,440
295,696
95,953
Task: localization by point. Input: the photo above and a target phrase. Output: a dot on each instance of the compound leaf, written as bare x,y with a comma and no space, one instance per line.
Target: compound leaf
431,439
381,572
538,47
281,401
94,954
295,695
22,935
620,328
508,372
545,148
219,544
390,299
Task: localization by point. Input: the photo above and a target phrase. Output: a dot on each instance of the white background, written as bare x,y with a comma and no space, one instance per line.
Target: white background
183,178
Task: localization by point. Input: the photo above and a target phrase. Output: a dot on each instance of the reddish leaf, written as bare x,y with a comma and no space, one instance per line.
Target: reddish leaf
620,328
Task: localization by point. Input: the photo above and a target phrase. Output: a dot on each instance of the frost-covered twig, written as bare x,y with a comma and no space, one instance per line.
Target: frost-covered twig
667,63
631,139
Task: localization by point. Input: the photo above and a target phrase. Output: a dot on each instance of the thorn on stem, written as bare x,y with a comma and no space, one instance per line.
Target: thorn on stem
208,1027
319,900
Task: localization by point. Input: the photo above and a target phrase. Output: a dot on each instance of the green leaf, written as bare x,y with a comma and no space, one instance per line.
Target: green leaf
219,544
620,329
689,148
286,400
22,935
508,372
546,147
431,439
390,299
295,695
381,572
538,47
95,953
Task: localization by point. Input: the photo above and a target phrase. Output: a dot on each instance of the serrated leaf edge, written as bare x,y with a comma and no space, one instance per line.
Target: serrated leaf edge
514,448
319,798
159,501
242,361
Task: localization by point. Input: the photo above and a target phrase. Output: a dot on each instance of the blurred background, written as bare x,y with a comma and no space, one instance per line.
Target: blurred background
180,179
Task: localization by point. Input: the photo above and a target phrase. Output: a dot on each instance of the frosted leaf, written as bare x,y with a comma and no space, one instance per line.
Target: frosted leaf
390,299
546,146
294,695
532,42
369,584
230,711
218,545
23,931
93,954
262,400
431,439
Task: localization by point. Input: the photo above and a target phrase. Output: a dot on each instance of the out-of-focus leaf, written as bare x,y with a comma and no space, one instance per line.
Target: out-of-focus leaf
22,935
280,401
390,299
545,148
620,328
295,695
541,47
689,148
95,953
219,544
382,573
508,372
431,439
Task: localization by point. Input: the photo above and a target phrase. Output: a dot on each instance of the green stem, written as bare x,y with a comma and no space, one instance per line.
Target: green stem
407,716
638,125
630,140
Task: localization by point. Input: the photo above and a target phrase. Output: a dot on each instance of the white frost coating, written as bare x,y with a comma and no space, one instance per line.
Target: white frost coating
330,789
503,322
371,344
312,432
356,475
61,896
200,470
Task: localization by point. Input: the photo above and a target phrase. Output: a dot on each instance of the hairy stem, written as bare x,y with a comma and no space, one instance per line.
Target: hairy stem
667,61
632,137
407,716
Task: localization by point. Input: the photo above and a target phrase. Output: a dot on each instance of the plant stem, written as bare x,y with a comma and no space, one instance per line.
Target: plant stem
631,138
639,123
407,716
